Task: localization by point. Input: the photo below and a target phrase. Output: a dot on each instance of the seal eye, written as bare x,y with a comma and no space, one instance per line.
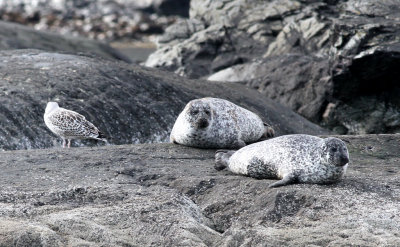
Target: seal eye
195,112
207,112
333,150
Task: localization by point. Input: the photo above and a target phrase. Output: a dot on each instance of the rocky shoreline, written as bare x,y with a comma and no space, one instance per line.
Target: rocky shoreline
100,20
128,103
166,194
332,62
299,65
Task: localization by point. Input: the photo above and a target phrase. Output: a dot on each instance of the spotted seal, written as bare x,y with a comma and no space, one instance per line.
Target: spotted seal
291,158
217,123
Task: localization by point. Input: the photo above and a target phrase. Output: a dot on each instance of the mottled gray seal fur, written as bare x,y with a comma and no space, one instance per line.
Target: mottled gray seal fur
217,123
291,158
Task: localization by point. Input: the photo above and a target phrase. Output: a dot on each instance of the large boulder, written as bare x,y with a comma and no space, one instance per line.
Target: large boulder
171,195
237,31
298,81
16,36
331,61
129,103
365,58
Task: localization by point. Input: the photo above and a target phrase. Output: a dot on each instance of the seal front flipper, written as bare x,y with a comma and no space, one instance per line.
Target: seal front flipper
239,144
222,158
288,179
268,131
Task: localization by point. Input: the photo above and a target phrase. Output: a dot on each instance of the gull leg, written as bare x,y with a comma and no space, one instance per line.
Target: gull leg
69,143
64,143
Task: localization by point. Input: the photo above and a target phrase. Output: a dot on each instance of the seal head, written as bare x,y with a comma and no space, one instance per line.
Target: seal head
218,123
199,115
335,152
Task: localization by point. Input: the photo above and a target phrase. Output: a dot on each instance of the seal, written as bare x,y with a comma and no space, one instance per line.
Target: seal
218,123
291,158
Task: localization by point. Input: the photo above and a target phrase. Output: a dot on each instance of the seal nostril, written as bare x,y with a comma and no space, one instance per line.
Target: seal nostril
203,123
344,160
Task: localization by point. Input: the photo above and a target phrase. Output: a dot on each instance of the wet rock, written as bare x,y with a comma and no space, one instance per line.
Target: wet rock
128,103
15,36
165,194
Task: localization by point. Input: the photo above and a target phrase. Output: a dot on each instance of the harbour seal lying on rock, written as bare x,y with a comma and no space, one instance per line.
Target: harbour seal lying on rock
291,158
217,123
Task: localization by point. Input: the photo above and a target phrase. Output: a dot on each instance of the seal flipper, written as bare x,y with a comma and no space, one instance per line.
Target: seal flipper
240,144
222,158
172,139
288,179
268,131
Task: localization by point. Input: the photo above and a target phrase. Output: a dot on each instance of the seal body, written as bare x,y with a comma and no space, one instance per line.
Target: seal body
291,158
217,123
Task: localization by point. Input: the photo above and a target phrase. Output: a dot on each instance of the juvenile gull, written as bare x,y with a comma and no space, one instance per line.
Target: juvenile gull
69,124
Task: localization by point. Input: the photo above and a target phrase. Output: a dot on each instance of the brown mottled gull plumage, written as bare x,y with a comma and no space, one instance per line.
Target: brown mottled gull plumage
69,124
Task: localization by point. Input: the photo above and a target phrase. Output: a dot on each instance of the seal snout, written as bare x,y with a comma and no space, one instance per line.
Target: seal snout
344,160
202,123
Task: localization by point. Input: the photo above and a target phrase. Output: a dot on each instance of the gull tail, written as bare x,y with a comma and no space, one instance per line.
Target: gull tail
101,137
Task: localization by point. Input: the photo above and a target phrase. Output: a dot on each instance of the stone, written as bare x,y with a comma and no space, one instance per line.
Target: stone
128,103
296,81
315,53
15,36
171,195
101,20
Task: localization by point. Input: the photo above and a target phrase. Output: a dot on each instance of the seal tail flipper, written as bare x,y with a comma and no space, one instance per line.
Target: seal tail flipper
222,158
172,140
268,131
288,179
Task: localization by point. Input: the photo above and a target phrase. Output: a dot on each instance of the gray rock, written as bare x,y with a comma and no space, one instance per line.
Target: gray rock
102,20
241,29
297,81
15,36
365,57
128,103
179,31
316,54
170,195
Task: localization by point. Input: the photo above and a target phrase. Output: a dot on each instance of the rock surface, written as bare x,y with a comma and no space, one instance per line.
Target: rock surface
331,61
128,103
15,36
165,194
101,19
